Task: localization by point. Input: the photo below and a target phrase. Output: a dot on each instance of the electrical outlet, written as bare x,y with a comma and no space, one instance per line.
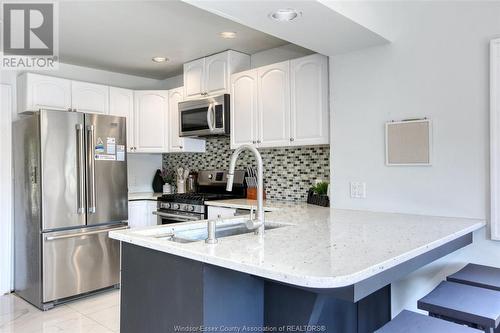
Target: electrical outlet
358,190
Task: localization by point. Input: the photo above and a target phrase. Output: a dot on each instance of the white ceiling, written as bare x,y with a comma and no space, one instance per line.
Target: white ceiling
320,28
123,36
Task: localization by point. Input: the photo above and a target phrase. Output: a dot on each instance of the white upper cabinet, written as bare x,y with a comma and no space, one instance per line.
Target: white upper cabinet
194,77
121,103
90,97
211,75
244,109
151,121
176,143
35,92
309,100
274,105
284,104
217,75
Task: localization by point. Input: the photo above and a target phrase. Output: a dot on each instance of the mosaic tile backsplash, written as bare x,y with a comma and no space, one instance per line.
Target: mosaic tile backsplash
288,172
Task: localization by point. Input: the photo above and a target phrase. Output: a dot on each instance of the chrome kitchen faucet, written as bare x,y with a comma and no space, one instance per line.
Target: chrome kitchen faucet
257,223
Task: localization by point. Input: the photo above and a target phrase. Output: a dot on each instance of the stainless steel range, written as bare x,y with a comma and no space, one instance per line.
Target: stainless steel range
175,208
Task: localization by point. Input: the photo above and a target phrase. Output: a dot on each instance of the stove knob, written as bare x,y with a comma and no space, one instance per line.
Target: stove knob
190,208
166,205
177,206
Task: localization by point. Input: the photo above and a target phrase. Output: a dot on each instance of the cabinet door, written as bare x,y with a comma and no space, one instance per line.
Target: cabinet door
309,100
244,108
43,92
151,218
214,212
151,121
121,103
90,97
137,214
274,105
194,76
174,97
176,143
217,74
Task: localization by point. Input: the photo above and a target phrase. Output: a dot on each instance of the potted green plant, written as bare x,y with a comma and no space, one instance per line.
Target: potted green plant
169,179
318,194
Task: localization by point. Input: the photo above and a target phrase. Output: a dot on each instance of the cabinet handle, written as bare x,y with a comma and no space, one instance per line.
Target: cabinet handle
258,141
291,139
70,109
254,142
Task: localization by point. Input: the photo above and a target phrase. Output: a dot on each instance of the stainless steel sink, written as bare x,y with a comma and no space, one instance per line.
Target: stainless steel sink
198,234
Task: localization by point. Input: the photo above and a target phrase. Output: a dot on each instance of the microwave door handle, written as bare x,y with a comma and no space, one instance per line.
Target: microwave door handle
210,117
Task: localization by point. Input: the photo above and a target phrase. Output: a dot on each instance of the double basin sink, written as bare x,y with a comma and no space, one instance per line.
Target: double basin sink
199,232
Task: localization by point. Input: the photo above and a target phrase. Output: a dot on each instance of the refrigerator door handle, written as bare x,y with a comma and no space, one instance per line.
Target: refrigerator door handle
80,234
81,168
91,170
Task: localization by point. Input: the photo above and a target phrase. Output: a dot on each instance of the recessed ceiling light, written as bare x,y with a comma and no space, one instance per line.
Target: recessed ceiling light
159,59
285,15
228,34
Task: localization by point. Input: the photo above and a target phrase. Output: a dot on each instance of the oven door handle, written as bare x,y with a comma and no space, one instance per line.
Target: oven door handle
176,217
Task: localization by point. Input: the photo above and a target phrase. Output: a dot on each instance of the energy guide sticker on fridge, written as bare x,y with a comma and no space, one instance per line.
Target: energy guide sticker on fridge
120,152
99,146
111,146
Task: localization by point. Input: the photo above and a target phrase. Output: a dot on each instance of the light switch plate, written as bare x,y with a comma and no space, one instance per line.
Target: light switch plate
358,190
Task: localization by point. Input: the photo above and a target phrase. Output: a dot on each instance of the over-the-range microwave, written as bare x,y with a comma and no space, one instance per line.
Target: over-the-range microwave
204,117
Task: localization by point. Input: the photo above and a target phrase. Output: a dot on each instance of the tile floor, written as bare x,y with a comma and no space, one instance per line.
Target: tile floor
95,314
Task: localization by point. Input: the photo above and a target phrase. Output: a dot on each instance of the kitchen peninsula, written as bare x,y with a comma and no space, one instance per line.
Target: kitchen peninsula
323,267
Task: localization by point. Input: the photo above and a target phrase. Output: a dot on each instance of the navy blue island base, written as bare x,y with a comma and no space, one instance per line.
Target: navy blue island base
162,293
166,293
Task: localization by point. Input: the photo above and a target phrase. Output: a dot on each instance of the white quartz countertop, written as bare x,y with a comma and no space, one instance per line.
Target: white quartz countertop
269,205
143,196
319,248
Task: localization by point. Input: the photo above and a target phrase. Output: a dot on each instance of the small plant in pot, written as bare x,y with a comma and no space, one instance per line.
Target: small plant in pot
318,195
169,179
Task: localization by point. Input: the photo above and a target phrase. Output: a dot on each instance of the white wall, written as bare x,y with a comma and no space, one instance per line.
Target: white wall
436,66
87,74
141,170
277,54
173,82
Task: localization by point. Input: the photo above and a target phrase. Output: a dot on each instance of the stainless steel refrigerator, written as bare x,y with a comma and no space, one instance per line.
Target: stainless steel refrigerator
70,190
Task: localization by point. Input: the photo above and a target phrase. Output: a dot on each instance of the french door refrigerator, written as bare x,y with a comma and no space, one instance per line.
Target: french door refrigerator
70,190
